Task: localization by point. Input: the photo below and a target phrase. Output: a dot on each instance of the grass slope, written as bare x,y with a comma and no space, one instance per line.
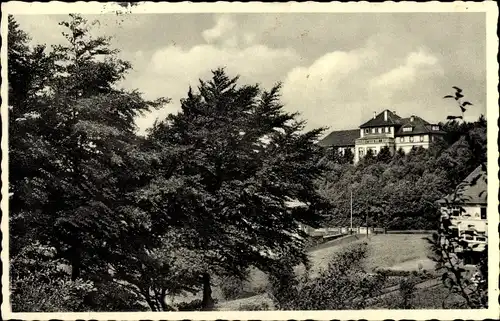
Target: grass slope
386,251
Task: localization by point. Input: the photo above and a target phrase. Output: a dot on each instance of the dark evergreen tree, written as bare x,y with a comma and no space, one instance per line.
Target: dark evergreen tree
74,153
240,158
384,155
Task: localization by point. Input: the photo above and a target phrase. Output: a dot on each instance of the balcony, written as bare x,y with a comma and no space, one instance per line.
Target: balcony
375,139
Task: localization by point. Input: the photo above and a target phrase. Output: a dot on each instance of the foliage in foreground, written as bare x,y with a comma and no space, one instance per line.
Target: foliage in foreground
142,219
344,284
41,282
452,252
469,282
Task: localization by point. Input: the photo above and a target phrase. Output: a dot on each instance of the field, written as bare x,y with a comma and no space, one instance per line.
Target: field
408,252
385,251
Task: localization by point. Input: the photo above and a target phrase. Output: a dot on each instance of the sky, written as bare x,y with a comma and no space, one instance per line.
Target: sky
336,69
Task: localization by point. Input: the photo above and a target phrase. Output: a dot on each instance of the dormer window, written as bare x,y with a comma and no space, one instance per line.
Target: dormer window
435,127
408,129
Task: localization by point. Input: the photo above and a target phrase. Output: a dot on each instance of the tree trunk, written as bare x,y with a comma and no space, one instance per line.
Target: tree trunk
149,301
207,303
163,297
76,259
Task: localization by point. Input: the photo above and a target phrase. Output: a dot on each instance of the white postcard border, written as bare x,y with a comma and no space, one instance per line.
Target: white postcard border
489,8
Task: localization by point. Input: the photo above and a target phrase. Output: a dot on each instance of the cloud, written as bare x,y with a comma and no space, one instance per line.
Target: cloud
227,33
366,62
418,64
223,25
172,69
341,89
328,85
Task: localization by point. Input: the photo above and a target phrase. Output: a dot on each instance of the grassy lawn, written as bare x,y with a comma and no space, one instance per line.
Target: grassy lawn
394,251
385,251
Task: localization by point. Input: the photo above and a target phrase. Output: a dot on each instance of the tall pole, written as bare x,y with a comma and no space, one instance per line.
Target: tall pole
366,224
351,212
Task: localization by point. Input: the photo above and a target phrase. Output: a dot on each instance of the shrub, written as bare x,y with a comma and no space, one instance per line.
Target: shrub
389,272
407,292
232,287
255,307
195,305
343,285
283,284
39,283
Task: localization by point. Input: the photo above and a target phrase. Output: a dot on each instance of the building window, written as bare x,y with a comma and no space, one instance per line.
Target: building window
411,139
407,129
401,139
407,139
380,140
373,130
435,127
367,130
483,213
421,138
380,130
433,138
387,130
361,152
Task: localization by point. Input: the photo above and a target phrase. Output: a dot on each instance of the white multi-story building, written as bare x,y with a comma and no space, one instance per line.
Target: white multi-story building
384,129
466,209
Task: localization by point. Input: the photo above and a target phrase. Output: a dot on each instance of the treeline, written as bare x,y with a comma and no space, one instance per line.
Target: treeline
102,219
400,191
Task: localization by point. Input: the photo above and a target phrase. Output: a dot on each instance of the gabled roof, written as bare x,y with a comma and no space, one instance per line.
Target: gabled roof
340,138
419,125
472,190
392,119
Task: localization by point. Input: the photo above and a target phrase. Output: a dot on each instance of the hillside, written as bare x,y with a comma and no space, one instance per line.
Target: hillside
407,252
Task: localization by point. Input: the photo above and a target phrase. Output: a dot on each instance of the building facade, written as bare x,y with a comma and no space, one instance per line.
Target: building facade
467,209
384,130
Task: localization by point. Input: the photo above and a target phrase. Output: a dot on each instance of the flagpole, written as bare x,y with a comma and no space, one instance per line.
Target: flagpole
351,211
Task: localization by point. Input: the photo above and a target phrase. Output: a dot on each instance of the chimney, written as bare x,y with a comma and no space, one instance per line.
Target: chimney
385,115
374,114
412,118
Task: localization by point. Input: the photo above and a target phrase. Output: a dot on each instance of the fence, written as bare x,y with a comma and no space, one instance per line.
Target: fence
333,231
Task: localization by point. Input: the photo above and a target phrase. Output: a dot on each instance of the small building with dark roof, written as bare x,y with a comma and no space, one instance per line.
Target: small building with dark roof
340,140
466,208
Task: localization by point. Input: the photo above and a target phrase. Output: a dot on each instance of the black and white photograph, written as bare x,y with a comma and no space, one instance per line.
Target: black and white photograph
232,161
